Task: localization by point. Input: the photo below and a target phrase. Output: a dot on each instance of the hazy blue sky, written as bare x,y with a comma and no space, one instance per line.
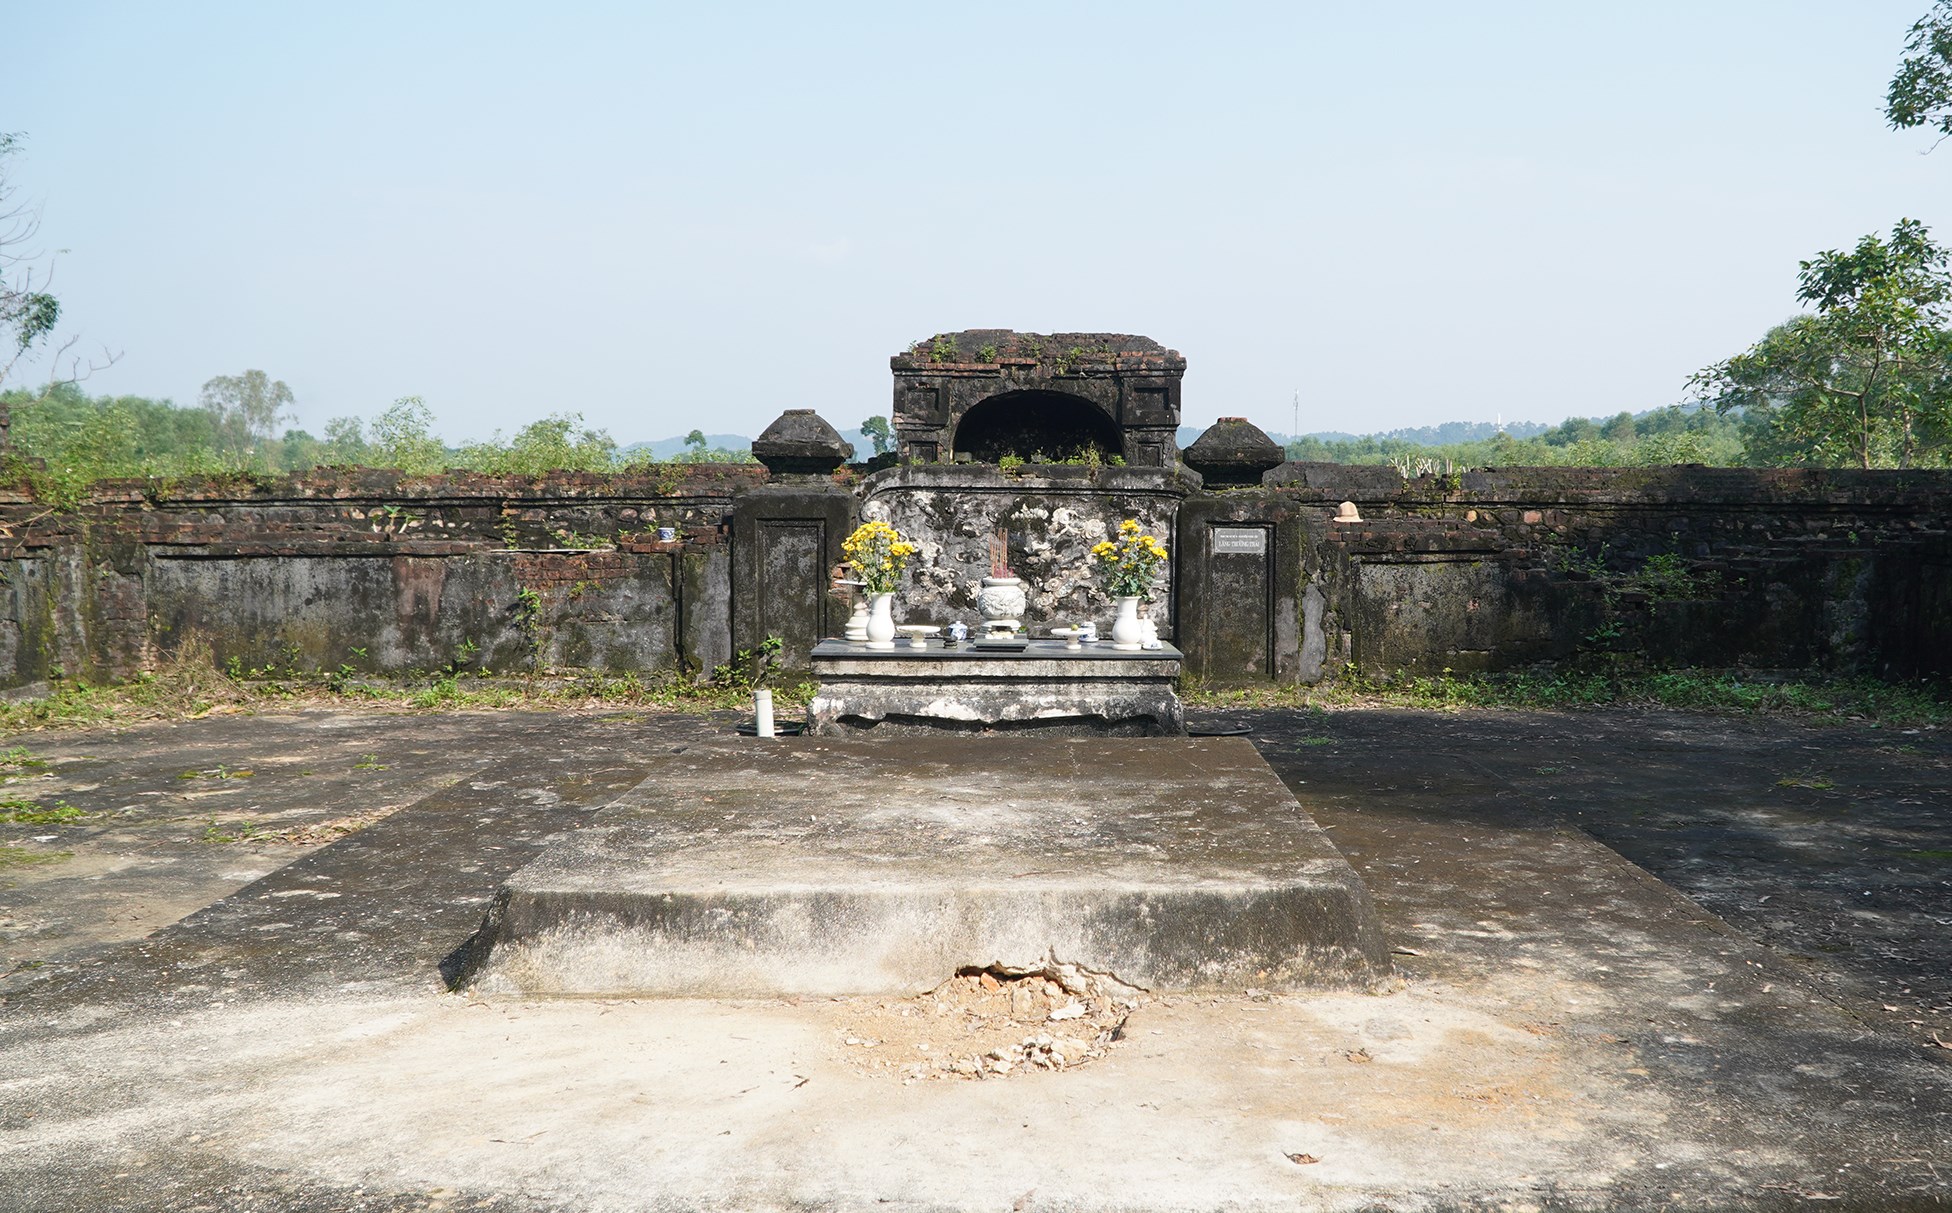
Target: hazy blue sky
668,216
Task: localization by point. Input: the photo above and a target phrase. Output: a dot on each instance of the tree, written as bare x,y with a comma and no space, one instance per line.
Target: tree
345,441
695,442
1866,378
876,431
246,409
29,312
403,437
1921,91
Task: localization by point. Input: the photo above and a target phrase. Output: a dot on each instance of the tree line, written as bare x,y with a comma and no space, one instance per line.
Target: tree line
237,428
1675,434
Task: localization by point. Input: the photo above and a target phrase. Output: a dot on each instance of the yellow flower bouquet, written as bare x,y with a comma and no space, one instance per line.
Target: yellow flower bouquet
879,556
1128,563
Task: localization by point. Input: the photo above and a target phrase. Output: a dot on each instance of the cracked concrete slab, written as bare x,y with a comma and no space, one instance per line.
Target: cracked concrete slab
847,866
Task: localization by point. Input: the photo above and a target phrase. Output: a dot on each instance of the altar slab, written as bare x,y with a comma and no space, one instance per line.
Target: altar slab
1046,687
843,866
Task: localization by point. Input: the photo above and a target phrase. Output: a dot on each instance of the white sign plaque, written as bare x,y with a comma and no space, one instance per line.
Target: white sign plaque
1239,541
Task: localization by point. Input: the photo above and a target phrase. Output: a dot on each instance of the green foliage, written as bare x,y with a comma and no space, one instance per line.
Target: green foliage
403,438
558,441
1921,91
529,621
16,810
1866,700
749,668
1867,379
186,688
1667,578
344,445
245,409
19,758
28,314
879,433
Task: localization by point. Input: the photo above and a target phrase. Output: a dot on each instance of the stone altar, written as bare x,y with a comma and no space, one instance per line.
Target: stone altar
1046,687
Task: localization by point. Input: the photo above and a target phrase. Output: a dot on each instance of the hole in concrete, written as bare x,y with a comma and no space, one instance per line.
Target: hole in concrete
990,1022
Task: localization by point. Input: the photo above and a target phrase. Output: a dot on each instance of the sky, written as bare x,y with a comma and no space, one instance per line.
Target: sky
667,217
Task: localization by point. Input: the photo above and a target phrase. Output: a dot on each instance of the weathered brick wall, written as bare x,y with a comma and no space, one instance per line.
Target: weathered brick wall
1781,568
1490,570
374,571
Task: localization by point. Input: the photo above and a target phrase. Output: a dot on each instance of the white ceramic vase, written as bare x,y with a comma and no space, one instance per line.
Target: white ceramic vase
1126,632
881,621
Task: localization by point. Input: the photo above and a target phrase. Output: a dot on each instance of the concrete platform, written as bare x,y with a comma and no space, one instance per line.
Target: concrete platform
817,866
1046,688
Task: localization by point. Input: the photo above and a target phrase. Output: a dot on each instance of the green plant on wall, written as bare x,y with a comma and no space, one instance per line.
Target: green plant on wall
528,621
1660,578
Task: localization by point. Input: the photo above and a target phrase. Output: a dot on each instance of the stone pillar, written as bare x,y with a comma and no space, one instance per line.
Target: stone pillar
786,538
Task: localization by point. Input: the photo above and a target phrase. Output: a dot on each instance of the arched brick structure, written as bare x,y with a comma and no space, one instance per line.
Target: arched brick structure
1048,393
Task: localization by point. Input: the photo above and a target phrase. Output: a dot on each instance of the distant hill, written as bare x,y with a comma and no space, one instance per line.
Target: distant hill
667,448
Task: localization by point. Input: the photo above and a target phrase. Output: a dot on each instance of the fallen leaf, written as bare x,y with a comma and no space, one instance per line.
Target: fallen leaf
1303,1159
1362,1055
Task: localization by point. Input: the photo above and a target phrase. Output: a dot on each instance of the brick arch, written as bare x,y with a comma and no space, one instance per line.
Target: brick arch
1037,421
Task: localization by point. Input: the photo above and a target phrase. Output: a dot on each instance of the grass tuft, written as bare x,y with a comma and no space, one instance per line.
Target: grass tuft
1730,692
15,810
188,687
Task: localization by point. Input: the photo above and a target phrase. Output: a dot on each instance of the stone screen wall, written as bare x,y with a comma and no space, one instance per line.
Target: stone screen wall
1052,516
